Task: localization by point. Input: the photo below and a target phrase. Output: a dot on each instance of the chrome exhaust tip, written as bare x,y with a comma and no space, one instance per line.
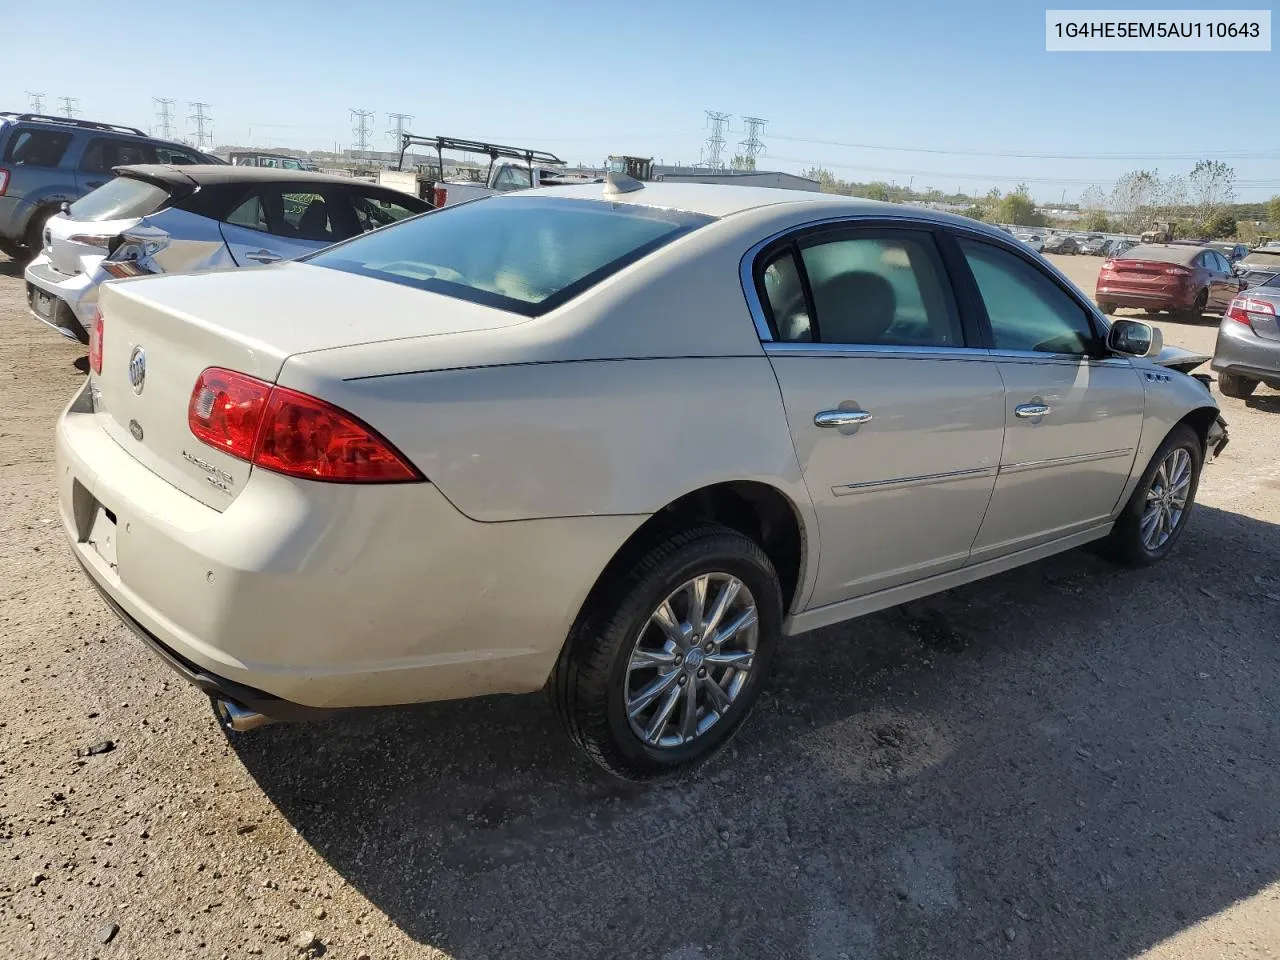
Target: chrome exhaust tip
236,718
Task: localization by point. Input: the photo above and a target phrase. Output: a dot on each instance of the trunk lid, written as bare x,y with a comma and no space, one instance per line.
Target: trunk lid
249,321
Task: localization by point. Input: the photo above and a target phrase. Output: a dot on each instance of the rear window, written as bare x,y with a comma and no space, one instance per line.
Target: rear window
1268,259
37,148
523,254
119,198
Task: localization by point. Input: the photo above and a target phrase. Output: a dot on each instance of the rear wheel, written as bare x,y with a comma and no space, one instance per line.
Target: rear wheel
668,657
1106,306
10,249
35,235
1195,313
1235,386
1154,518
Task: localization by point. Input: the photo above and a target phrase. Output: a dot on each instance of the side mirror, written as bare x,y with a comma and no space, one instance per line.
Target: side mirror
1133,338
64,207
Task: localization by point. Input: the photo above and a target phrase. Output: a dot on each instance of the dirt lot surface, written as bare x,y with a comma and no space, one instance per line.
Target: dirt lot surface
1069,760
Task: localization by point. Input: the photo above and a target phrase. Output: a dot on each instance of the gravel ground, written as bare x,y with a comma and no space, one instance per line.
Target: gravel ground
1068,760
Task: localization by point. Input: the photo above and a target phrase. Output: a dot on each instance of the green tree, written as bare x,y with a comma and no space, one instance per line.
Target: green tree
743,162
1273,210
1220,224
1016,207
1096,221
875,191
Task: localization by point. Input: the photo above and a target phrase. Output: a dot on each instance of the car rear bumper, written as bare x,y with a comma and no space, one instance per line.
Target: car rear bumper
77,292
1241,351
1126,296
311,595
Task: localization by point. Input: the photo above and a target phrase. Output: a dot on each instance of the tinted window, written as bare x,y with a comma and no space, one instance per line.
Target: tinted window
119,198
886,289
249,213
166,154
37,148
102,154
784,292
307,216
1027,309
379,210
524,254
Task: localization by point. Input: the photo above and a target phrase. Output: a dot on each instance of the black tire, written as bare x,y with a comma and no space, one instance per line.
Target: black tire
35,234
11,250
1195,313
1125,544
1107,307
1235,386
589,686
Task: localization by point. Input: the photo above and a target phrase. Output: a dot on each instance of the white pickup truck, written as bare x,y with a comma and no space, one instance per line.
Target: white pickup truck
510,168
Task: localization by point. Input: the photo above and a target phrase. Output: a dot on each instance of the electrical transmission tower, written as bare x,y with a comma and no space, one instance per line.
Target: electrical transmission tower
69,108
164,113
201,120
361,130
753,146
398,122
37,101
715,141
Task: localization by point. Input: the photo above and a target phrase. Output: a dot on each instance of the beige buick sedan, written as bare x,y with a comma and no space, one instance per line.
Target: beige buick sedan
615,441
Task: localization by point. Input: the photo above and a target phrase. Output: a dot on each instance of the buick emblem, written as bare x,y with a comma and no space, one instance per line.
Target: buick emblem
138,369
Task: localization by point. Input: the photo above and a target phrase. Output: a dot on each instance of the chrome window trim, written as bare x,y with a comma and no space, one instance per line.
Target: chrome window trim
912,352
746,266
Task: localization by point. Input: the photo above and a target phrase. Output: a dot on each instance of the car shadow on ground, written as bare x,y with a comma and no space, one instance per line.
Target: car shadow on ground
1067,760
10,267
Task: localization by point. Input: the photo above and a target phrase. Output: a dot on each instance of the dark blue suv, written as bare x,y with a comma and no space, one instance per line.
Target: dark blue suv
47,161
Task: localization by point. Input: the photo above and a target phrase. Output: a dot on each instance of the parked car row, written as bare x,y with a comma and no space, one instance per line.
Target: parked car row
46,162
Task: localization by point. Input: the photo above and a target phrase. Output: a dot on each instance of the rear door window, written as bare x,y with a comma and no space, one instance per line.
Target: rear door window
37,148
375,210
167,154
249,213
526,254
317,215
103,153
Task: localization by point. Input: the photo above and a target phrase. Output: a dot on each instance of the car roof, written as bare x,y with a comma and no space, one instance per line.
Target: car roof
206,174
724,200
1164,252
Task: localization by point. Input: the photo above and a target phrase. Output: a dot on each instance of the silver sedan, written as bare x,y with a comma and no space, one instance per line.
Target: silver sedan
614,441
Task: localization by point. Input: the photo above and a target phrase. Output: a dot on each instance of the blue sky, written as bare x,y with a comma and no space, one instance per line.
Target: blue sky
589,79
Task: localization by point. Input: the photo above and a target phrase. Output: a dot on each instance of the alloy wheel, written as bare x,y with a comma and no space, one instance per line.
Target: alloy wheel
691,660
1166,499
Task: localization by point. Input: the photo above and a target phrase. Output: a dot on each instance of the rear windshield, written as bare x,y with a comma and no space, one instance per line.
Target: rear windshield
523,254
118,199
1269,259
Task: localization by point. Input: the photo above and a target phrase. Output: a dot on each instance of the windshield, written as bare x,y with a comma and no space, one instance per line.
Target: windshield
119,199
523,254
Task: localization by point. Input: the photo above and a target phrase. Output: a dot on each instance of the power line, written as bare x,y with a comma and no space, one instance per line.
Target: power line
37,101
713,153
752,146
399,121
69,108
165,116
201,119
361,130
1017,155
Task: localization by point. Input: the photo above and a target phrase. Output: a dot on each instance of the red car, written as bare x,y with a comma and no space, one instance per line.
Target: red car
1185,280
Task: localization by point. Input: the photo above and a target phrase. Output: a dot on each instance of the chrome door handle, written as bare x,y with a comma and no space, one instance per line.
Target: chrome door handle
262,256
841,418
1028,410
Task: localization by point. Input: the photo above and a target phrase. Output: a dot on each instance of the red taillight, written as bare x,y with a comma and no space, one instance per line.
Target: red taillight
289,432
1243,310
4,181
226,410
95,342
1177,271
441,194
